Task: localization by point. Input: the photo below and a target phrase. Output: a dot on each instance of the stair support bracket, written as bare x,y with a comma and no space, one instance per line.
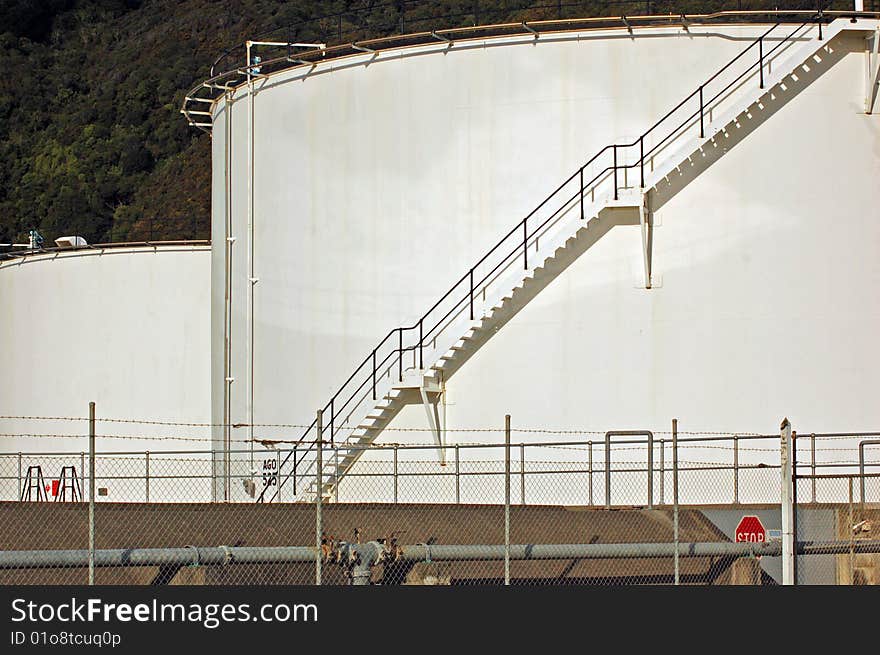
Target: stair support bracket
872,70
431,392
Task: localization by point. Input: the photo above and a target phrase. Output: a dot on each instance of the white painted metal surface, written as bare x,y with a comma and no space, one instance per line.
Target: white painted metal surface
378,184
124,327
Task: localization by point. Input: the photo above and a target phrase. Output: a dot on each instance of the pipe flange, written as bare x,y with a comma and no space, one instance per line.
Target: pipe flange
227,555
427,551
197,561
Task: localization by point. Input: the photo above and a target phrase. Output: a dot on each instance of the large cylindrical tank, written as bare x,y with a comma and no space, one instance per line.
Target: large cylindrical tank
349,196
125,327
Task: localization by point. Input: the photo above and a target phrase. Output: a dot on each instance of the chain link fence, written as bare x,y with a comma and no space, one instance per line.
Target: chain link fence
631,507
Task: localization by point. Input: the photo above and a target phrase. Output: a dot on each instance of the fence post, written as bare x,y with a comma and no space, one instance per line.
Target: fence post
19,474
813,465
607,471
787,519
278,475
522,474
675,497
662,471
851,534
335,473
507,500
319,469
395,474
650,471
147,476
794,502
91,493
590,470
457,477
735,470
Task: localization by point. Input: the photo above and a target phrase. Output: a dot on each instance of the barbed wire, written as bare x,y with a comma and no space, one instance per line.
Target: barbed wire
304,426
349,428
597,447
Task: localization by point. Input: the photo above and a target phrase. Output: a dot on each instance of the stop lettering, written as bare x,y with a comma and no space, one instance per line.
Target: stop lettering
750,529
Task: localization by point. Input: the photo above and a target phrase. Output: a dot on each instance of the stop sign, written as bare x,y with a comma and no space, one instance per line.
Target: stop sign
750,529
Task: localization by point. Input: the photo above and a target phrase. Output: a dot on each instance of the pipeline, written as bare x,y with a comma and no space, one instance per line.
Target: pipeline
358,558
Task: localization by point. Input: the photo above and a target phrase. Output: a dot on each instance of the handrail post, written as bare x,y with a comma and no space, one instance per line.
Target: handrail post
332,420
614,148
641,160
374,374
761,60
820,19
421,338
400,354
581,195
702,131
471,296
525,244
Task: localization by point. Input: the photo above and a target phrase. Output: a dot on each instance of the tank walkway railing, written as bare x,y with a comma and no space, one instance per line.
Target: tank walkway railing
598,180
199,100
152,231
608,471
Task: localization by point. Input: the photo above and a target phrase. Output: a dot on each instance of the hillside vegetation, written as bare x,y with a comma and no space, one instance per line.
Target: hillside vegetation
91,138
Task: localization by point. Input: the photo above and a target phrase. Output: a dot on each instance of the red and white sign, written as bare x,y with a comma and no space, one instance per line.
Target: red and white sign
750,529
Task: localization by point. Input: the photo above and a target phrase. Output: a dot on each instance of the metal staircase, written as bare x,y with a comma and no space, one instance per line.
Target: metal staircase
621,185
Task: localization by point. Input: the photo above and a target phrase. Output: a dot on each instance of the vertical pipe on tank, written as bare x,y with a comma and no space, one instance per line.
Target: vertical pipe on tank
250,257
227,312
